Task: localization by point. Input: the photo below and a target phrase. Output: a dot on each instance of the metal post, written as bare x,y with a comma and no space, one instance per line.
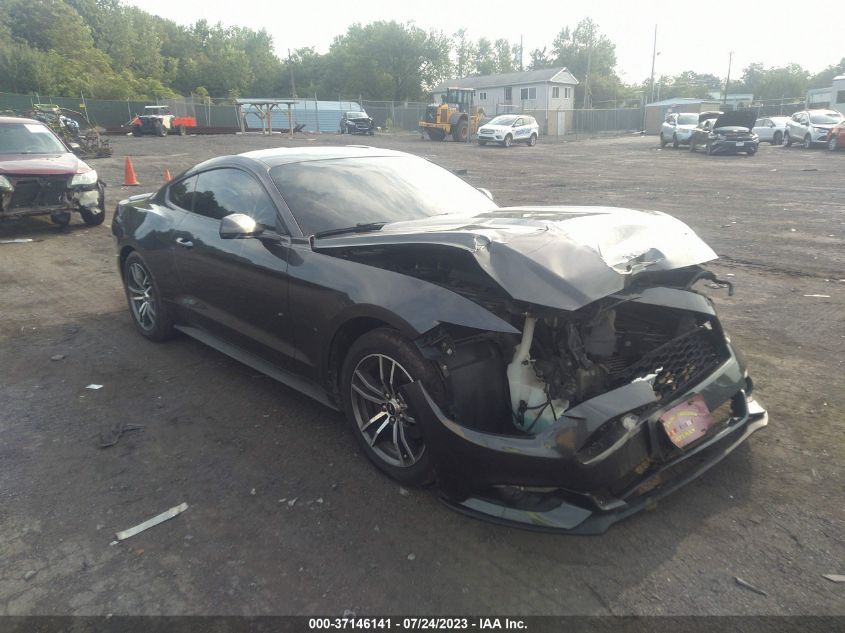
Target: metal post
290,120
317,112
653,58
728,79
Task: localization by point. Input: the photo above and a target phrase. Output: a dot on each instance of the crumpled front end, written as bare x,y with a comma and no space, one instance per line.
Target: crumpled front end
38,194
611,408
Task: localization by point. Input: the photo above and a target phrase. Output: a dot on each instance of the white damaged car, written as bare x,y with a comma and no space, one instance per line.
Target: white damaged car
508,129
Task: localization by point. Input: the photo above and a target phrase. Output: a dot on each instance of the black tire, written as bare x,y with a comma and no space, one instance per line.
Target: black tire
182,130
808,141
675,141
460,131
160,326
366,407
532,141
482,143
342,131
833,143
663,141
61,219
777,139
508,141
160,129
692,144
136,131
787,140
436,134
751,151
708,149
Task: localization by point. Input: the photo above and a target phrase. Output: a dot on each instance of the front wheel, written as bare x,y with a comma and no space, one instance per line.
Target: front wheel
149,314
833,143
160,129
692,144
708,149
808,141
787,140
508,141
387,428
663,141
751,151
777,139
675,141
482,143
182,130
532,141
95,217
459,133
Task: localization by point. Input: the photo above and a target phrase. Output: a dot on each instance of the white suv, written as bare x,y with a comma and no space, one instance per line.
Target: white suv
811,127
679,126
508,129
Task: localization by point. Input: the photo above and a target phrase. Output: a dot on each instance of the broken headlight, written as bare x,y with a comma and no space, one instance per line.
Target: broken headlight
85,178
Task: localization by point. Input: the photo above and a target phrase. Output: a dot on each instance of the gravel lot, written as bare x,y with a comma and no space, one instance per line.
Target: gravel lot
286,516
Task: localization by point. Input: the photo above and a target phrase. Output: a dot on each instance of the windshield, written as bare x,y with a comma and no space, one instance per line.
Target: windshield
687,119
503,120
325,195
356,115
822,118
28,138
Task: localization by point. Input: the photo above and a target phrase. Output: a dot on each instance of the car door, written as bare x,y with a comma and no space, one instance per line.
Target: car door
762,128
235,289
520,129
669,125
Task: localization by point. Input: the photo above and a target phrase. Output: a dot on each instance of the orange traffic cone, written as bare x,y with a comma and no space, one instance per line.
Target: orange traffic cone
129,178
167,176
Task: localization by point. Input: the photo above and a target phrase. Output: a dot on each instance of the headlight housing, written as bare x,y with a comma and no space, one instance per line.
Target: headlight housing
85,178
6,184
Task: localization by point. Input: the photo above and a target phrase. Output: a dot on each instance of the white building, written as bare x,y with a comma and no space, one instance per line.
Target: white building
833,97
536,92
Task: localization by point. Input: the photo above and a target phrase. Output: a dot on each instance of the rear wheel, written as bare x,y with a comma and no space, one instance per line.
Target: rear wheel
160,129
136,130
777,139
508,141
436,134
384,424
532,141
833,143
149,314
182,130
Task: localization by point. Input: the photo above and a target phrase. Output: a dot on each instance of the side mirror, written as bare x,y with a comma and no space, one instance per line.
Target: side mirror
239,225
486,192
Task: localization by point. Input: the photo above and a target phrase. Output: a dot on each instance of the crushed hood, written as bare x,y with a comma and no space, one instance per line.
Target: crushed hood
561,257
737,118
46,164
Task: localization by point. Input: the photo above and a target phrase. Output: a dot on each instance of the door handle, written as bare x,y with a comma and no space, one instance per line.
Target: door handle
183,242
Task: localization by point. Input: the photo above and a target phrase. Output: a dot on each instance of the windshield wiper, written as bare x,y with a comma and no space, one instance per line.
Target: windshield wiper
362,227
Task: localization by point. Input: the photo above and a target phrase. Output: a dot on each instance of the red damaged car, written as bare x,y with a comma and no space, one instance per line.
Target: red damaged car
39,175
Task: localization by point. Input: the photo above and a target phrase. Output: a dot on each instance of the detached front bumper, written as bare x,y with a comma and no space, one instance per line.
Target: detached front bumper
547,482
731,147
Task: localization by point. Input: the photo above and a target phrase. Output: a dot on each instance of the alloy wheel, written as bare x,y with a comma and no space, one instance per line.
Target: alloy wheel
141,298
381,413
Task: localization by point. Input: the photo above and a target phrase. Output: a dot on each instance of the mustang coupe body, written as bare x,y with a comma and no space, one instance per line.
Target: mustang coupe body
550,367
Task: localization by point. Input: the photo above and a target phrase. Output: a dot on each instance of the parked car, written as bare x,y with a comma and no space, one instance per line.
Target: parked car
39,175
356,123
836,138
770,129
508,129
678,128
552,367
728,134
811,127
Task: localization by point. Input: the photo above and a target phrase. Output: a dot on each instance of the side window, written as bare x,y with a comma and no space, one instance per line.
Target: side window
182,193
520,121
556,92
759,122
221,192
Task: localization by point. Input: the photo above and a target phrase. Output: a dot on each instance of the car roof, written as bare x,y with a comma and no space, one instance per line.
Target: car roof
286,155
17,119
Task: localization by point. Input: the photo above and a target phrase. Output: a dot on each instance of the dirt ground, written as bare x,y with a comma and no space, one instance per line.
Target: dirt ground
286,516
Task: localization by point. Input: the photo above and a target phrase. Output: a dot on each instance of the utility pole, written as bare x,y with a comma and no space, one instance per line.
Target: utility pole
292,80
587,81
728,79
653,58
520,53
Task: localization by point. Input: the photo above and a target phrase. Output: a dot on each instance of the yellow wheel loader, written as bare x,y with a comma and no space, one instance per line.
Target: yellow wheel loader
456,116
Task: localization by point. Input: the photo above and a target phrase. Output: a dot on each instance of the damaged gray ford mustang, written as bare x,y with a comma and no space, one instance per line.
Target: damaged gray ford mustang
548,367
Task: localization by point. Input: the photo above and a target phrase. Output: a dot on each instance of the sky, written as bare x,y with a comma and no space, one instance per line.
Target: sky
690,35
